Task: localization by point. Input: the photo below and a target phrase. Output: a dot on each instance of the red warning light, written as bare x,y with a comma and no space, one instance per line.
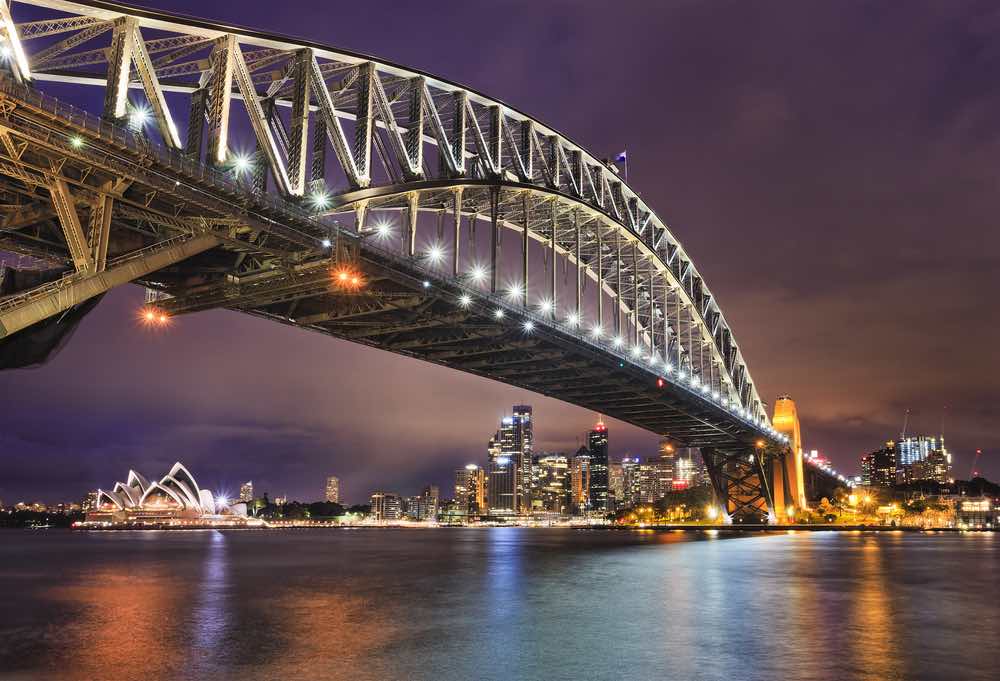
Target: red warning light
660,383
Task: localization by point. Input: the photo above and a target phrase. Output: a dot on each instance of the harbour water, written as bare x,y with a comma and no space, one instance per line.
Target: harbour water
499,603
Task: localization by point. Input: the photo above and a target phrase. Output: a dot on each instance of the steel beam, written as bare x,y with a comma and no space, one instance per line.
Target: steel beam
22,311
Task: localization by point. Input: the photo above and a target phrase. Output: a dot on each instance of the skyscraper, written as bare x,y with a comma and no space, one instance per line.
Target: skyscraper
470,490
333,490
580,480
502,497
879,468
524,444
616,485
631,481
246,491
597,443
510,464
386,506
551,484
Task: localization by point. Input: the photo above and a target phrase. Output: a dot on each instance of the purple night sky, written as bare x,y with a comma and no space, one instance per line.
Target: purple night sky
832,168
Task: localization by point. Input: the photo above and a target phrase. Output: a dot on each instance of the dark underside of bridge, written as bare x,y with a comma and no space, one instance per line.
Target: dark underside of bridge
392,310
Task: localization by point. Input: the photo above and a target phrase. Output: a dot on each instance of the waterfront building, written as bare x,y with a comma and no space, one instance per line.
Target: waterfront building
656,478
246,492
936,467
502,495
281,500
551,477
523,451
915,448
616,485
879,468
89,503
597,443
580,481
631,480
470,489
976,512
429,502
332,490
386,505
175,497
922,457
510,464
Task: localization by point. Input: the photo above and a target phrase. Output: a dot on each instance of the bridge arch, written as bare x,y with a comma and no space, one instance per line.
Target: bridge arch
339,139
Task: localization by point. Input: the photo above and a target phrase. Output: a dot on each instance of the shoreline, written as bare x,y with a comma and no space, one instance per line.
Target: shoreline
727,529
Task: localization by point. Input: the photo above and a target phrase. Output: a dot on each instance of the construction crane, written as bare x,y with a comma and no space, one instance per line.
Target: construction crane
975,460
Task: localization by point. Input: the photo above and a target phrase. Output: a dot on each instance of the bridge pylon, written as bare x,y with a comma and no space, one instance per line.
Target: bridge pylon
740,480
789,473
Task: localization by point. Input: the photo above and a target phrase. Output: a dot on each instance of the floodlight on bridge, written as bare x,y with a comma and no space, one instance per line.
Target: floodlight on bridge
617,342
435,253
320,200
528,326
465,300
139,117
383,229
478,273
573,319
498,314
241,163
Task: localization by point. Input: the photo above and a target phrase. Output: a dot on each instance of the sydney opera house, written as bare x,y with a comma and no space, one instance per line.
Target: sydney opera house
175,499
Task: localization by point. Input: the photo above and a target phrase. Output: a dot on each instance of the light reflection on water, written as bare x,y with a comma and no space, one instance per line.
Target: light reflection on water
497,604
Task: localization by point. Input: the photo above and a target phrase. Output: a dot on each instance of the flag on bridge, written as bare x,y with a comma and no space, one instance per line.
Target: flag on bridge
622,157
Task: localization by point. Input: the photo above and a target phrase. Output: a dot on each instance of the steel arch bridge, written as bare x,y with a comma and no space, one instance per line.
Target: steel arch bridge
230,168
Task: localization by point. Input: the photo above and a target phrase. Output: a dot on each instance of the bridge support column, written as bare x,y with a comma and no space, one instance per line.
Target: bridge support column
579,266
525,199
412,211
552,264
600,281
457,236
740,483
494,238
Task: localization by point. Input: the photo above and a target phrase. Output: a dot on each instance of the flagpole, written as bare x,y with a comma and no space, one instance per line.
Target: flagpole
626,165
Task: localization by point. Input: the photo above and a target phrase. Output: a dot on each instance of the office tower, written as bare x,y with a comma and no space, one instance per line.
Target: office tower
429,502
630,481
510,464
616,486
597,443
502,496
246,491
654,481
909,450
470,490
333,489
522,453
551,483
386,506
879,468
580,480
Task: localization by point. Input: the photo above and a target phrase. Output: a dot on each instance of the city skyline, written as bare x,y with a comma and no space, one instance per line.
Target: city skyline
747,141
